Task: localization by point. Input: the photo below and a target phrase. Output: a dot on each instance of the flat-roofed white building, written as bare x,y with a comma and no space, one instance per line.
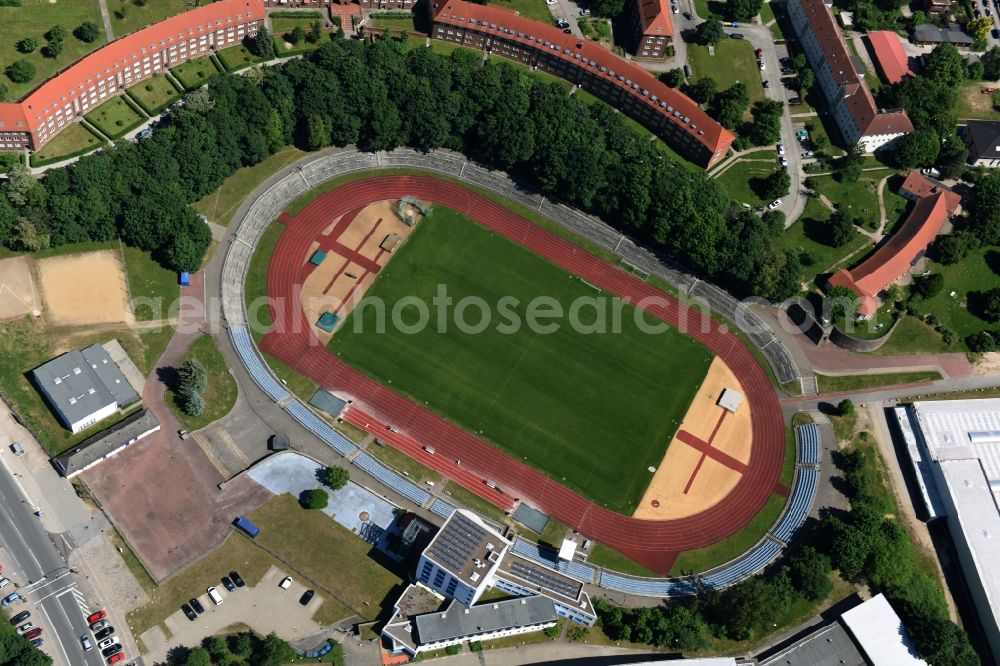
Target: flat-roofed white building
954,446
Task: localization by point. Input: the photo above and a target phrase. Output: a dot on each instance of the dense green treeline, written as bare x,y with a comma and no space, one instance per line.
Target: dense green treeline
380,95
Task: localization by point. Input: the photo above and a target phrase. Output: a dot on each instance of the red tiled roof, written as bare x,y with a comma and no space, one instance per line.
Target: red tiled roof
897,255
507,25
860,103
890,55
917,185
78,77
655,17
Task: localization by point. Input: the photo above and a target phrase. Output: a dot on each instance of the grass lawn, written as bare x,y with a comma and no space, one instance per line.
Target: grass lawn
34,19
284,25
115,117
980,271
835,383
259,316
237,57
298,384
336,563
526,391
403,463
154,94
394,24
860,198
220,396
473,501
804,237
974,104
703,559
737,179
127,16
605,556
196,73
535,10
73,140
913,336
766,13
220,206
733,61
154,288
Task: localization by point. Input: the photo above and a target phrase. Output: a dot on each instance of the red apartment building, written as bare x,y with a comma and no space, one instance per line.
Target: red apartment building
652,28
316,4
123,63
626,86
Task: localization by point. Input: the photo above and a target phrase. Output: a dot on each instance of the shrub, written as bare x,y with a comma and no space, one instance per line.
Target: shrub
315,499
335,477
20,71
87,31
56,33
453,649
27,45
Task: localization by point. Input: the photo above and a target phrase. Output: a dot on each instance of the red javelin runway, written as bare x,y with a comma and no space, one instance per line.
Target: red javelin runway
653,543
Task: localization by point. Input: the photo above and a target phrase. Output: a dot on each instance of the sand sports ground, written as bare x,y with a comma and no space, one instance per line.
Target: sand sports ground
743,455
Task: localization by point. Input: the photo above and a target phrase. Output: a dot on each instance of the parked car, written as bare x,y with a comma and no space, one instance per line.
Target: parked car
33,634
196,606
190,614
214,595
85,642
236,578
784,162
774,204
736,35
987,91
108,642
807,153
688,16
4,582
16,449
94,617
675,9
228,584
112,649
10,598
995,33
20,617
932,172
781,148
285,583
760,63
551,2
767,84
104,633
759,53
25,628
100,624
38,642
567,31
115,658
307,597
584,12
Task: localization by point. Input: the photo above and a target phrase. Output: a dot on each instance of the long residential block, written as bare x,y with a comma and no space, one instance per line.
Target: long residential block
673,116
124,62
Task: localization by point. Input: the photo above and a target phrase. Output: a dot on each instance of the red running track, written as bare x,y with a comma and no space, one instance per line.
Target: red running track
653,543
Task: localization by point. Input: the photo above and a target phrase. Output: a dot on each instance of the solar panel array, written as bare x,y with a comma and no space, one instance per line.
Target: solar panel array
810,451
543,579
550,558
803,494
442,508
404,487
320,428
254,365
649,587
455,545
751,563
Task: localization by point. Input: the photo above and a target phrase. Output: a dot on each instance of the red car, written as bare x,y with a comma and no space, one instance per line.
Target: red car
759,53
115,658
99,615
987,91
34,633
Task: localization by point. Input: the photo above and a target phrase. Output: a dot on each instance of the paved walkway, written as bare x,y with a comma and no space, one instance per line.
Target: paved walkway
106,18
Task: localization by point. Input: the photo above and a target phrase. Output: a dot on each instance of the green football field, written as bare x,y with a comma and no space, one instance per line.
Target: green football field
592,410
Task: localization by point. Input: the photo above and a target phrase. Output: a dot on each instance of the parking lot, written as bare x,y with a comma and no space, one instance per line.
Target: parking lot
265,608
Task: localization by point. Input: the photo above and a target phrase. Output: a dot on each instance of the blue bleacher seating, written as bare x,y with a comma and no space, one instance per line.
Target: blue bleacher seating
442,508
254,365
649,587
312,422
799,504
810,450
549,557
403,486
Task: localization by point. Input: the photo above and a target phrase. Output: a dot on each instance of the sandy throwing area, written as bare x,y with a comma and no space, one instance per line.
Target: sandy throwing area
17,289
88,288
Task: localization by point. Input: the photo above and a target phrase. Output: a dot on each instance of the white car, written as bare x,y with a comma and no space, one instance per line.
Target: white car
784,162
760,63
285,583
781,149
807,153
774,205
4,582
551,2
108,642
674,9
25,628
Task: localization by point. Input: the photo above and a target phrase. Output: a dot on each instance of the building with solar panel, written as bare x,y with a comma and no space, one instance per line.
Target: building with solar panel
463,560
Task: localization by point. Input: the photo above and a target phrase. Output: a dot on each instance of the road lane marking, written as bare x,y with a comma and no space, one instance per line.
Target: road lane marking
58,642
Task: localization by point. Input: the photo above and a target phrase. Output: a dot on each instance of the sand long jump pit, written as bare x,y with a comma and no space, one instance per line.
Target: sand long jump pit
89,288
707,455
18,296
356,246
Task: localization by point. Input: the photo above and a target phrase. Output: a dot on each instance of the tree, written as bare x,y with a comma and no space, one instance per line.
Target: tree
839,229
989,308
991,64
3,92
194,404
702,90
800,61
217,647
27,45
845,407
848,169
192,377
335,477
928,286
806,79
26,237
296,36
710,31
941,641
53,49
198,657
729,106
241,645
776,185
841,302
981,341
766,125
317,498
953,248
16,650
56,33
951,160
261,44
87,32
980,27
20,71
607,8
315,32
743,10
810,573
673,77
916,149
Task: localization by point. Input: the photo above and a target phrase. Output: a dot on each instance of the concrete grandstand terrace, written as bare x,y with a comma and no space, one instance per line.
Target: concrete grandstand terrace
654,543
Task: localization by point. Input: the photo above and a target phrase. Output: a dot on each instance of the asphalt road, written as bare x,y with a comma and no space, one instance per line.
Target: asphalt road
42,578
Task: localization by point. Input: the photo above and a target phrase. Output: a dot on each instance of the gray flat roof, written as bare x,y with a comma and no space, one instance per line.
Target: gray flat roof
880,633
827,646
466,548
79,383
105,442
458,620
